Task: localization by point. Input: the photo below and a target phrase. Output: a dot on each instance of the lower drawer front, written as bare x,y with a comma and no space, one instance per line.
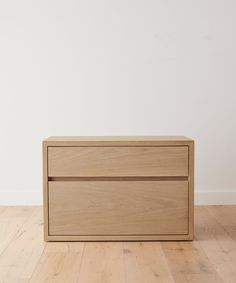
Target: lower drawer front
118,207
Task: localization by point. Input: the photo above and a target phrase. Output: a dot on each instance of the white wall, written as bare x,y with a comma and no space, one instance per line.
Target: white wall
123,67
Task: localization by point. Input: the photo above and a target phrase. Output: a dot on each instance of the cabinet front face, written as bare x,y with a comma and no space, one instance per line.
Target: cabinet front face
117,161
118,208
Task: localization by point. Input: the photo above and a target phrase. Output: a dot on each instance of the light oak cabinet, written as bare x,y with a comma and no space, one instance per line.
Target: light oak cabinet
118,188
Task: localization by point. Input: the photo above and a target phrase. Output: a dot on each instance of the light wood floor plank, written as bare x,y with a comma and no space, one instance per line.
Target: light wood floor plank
59,263
145,262
11,220
25,257
2,208
19,259
226,216
102,263
216,243
188,263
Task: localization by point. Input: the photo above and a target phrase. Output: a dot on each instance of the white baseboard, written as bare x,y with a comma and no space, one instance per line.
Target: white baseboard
36,198
211,198
21,197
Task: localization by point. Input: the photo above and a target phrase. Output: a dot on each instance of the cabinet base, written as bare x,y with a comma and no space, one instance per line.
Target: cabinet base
125,238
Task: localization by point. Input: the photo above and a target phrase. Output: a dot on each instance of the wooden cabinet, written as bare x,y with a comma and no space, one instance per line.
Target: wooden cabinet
118,188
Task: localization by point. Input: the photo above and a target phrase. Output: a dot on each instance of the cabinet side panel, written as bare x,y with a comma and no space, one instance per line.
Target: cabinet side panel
191,190
45,190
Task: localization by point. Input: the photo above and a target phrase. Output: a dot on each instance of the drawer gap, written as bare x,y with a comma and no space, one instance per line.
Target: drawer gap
101,178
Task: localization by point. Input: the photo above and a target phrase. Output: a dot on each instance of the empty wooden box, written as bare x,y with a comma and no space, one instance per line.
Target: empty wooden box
118,188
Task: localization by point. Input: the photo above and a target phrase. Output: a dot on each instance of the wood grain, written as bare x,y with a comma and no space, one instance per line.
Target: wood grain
117,161
60,262
12,218
219,247
102,262
117,141
188,263
124,160
225,215
191,189
45,190
118,208
26,258
21,255
112,238
146,262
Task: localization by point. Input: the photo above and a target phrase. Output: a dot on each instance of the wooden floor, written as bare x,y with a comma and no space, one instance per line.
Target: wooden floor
25,257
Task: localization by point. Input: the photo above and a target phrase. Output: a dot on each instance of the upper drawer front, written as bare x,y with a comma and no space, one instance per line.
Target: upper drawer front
117,161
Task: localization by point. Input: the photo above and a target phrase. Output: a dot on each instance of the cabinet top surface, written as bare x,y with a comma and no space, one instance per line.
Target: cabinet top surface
116,140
